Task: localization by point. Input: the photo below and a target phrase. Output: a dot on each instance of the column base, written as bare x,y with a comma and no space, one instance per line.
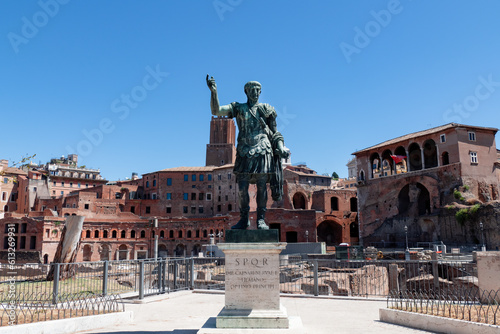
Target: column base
228,318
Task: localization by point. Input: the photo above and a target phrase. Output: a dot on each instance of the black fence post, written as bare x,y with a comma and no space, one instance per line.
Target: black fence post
191,276
105,278
316,287
141,279
159,273
55,290
175,275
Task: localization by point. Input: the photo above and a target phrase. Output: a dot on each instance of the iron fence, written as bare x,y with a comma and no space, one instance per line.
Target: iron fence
462,303
362,278
37,306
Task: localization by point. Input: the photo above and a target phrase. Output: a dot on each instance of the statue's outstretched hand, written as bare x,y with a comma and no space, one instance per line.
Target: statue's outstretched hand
211,84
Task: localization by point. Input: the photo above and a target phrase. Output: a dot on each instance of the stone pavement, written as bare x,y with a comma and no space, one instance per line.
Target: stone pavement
186,312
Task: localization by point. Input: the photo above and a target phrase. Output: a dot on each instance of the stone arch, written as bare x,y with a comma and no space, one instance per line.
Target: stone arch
87,253
299,201
445,158
415,158
375,165
105,252
414,200
329,232
123,252
387,163
430,154
162,250
180,250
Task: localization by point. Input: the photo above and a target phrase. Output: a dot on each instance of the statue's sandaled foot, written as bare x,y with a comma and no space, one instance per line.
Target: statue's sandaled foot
261,225
242,224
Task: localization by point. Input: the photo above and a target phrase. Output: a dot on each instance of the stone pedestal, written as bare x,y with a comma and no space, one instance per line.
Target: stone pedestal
252,297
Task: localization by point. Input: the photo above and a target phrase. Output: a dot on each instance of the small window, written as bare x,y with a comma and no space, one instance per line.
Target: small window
169,209
147,184
473,157
184,209
472,136
185,196
86,206
219,177
201,196
209,177
132,209
219,208
154,183
229,207
71,184
148,209
193,177
200,209
169,195
229,176
209,197
186,177
193,210
442,138
193,196
202,177
169,181
122,234
62,184
153,196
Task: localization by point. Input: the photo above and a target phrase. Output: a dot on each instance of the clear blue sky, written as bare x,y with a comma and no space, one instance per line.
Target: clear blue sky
343,75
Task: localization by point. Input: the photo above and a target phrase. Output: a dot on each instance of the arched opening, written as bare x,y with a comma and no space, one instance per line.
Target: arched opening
334,203
430,154
162,251
114,234
162,234
401,160
291,237
87,253
205,234
179,250
123,252
329,232
354,204
196,250
87,234
96,234
387,163
375,165
122,234
105,234
143,234
46,259
179,234
188,234
414,200
299,201
362,176
132,234
104,253
354,230
415,157
445,158
171,234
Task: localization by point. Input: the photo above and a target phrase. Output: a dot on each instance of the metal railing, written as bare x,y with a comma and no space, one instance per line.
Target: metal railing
464,304
132,278
35,307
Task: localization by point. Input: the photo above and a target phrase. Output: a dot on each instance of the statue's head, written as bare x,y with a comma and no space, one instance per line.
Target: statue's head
252,84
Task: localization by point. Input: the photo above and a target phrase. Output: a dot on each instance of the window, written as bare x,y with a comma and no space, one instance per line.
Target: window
169,195
105,234
96,234
113,234
209,177
179,234
200,209
86,206
201,196
442,138
143,234
62,193
219,208
55,183
147,184
132,234
193,196
22,244
473,157
132,209
153,196
189,234
202,177
4,196
148,209
169,181
87,234
184,209
229,207
122,234
169,209
229,176
472,136
193,177
226,198
154,183
79,185
219,177
185,196
62,184
5,180
86,185
71,184
193,210
171,234
186,177
32,242
209,197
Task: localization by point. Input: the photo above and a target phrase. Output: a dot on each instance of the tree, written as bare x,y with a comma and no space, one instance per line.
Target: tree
335,176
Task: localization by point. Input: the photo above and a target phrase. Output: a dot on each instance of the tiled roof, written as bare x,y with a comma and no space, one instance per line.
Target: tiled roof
14,170
196,169
423,133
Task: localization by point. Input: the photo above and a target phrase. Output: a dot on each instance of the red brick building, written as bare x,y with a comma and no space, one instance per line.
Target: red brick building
406,181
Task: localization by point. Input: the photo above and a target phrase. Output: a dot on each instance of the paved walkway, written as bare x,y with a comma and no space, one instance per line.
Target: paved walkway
186,312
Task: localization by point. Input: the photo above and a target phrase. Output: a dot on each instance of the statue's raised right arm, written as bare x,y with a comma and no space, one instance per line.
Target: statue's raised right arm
217,110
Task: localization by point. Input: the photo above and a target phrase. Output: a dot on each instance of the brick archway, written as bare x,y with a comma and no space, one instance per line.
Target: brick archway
329,232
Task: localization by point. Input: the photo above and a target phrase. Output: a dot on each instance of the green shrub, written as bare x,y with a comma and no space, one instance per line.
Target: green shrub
458,195
462,216
466,187
474,208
